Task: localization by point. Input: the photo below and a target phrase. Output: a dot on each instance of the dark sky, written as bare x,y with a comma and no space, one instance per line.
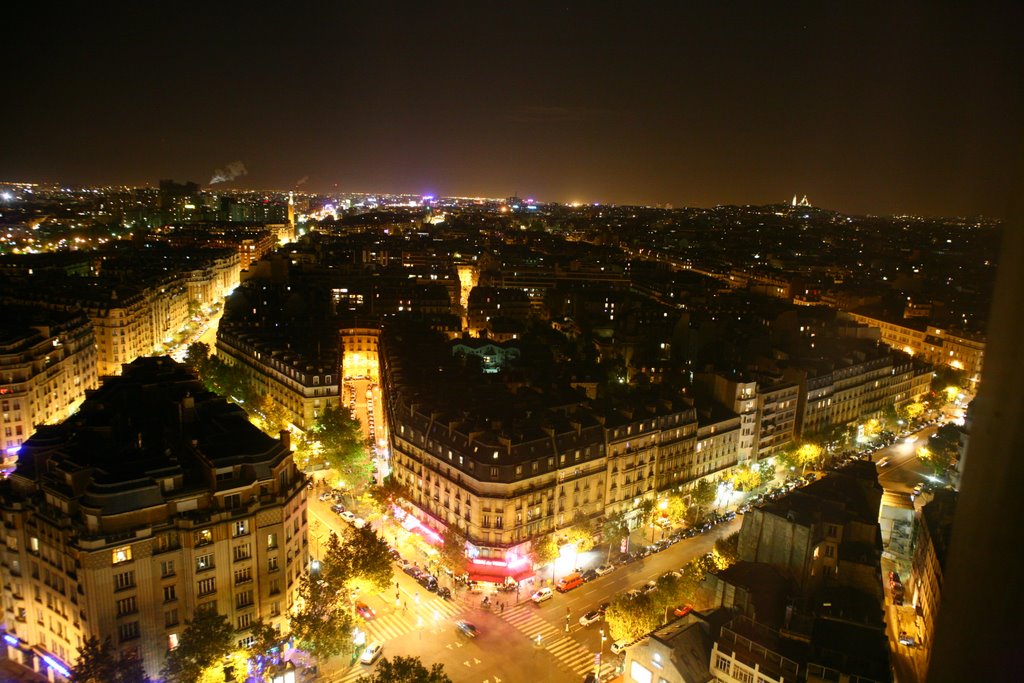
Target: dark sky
887,108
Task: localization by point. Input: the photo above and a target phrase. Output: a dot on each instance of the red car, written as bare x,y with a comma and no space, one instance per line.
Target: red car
365,611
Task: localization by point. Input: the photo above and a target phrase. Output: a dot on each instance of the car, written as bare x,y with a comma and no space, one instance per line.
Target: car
347,516
603,607
338,508
359,522
445,593
648,587
590,575
625,558
467,629
604,569
394,554
619,646
906,639
729,516
372,653
412,570
428,581
325,496
591,617
632,595
682,610
883,462
364,610
672,573
542,595
660,545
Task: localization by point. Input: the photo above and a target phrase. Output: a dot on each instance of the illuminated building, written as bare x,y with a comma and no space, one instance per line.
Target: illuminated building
47,363
955,348
156,500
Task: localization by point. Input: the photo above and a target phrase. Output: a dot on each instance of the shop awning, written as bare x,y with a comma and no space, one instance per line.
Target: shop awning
498,574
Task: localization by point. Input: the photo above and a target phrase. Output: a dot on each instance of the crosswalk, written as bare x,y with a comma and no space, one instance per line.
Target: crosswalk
395,623
567,651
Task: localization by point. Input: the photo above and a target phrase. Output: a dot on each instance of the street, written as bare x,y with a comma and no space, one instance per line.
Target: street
507,648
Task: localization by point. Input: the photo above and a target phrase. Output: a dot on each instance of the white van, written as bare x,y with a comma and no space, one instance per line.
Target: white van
542,595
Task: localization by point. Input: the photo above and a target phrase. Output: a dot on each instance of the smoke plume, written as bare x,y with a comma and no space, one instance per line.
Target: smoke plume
302,181
229,172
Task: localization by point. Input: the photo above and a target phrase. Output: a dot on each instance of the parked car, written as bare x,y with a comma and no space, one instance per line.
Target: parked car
590,575
364,610
372,653
619,646
444,593
591,617
604,569
542,595
648,587
347,516
338,508
467,629
359,522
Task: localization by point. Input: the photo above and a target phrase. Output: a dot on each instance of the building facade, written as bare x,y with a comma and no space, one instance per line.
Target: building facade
156,500
47,363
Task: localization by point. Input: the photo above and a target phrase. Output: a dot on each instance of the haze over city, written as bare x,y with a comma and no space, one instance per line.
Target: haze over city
881,109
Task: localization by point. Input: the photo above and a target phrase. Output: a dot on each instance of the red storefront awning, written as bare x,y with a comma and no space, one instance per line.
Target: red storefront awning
498,574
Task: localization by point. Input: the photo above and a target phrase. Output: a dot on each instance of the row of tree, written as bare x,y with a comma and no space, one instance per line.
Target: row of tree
630,616
334,439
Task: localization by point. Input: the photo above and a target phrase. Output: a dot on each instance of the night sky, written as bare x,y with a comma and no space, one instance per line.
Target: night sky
889,108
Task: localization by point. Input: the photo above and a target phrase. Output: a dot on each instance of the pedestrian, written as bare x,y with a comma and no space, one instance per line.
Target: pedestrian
502,608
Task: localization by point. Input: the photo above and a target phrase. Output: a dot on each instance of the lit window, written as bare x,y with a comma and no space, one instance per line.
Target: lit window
122,554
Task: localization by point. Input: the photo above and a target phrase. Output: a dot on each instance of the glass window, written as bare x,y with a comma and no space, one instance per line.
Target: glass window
122,554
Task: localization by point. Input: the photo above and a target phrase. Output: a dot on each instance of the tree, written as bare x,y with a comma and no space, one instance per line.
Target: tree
745,478
544,550
453,551
580,534
726,552
615,528
275,416
264,649
702,494
231,667
911,411
322,625
206,640
360,560
405,670
342,444
99,663
938,455
808,455
631,617
674,510
197,357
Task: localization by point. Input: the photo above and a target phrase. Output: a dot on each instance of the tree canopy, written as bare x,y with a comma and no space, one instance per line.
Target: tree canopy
98,662
453,551
323,623
341,443
405,670
207,638
702,494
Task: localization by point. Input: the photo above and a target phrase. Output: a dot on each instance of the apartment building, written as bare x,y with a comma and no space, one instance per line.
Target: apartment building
305,385
47,363
505,477
940,346
156,500
931,545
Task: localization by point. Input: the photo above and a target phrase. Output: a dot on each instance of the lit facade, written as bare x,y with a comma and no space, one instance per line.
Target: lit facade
124,528
47,363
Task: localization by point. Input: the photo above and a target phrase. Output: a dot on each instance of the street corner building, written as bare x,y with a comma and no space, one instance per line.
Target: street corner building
155,500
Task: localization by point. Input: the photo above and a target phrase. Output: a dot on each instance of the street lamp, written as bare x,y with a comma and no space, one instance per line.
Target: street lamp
600,656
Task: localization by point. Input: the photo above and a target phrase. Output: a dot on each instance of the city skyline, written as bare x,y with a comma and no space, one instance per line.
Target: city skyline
907,112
